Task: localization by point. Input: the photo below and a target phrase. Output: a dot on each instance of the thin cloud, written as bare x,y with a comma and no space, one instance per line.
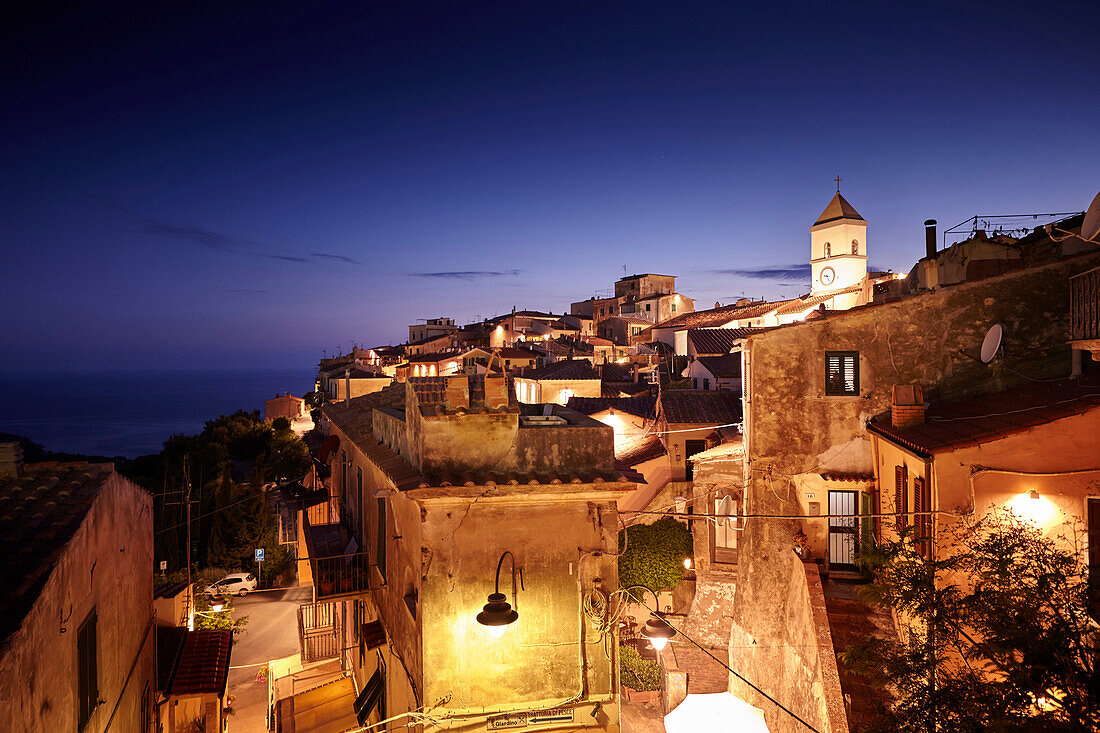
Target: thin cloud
791,272
215,241
466,274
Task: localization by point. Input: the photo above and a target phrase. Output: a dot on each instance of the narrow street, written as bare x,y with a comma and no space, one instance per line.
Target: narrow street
271,633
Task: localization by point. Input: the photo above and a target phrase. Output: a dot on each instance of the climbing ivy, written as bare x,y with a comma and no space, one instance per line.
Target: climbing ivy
654,555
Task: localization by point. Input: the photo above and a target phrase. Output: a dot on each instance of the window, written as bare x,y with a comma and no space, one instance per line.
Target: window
87,691
855,247
706,383
828,249
647,306
841,372
695,382
901,496
922,503
673,307
380,554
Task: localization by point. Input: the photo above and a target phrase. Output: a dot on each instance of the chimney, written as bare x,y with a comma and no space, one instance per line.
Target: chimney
930,238
347,385
11,460
907,405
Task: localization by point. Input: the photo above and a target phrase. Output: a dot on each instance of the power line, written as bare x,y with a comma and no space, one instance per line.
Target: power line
208,514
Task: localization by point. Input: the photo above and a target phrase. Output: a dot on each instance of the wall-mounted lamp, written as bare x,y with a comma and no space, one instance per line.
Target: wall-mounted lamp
497,614
656,628
1033,495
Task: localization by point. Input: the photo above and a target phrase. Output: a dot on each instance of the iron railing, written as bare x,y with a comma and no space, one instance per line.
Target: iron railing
339,575
1084,309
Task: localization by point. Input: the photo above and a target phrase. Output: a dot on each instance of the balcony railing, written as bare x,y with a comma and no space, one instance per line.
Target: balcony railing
339,575
1084,309
318,631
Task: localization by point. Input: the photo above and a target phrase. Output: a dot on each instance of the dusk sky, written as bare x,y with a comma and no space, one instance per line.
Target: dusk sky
246,184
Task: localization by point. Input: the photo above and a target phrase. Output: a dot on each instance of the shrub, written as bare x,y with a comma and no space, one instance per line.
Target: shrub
637,673
280,424
654,555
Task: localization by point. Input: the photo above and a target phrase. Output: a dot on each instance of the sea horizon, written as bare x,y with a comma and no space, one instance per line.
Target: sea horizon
131,412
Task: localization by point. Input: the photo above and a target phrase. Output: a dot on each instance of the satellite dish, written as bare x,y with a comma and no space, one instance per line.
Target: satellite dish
1090,227
991,344
725,509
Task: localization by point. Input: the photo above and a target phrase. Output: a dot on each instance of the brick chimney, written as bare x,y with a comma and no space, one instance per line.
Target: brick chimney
11,460
457,392
907,405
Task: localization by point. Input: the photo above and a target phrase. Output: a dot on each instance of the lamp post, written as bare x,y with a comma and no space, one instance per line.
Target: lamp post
497,614
656,629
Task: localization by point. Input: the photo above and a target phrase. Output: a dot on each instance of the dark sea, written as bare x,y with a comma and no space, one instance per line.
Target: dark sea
132,413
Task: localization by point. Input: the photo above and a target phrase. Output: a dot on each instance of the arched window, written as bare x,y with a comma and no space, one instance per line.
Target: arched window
855,246
828,249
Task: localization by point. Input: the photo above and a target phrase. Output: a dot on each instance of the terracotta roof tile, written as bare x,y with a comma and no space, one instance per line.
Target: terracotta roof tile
838,208
40,511
641,450
722,367
202,662
567,369
990,417
689,406
640,406
712,340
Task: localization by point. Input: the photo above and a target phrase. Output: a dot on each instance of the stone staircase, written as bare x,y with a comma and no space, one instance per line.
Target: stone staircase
850,622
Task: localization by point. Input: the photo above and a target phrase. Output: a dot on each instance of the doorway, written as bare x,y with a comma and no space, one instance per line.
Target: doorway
691,447
843,530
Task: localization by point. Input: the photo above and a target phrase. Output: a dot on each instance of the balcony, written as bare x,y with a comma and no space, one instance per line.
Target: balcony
318,631
1084,311
339,568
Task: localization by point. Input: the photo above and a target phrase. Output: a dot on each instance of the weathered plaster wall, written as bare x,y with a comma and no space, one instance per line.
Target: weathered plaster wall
800,673
538,660
108,565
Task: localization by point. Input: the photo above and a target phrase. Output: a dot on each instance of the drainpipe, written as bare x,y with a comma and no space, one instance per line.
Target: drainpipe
347,385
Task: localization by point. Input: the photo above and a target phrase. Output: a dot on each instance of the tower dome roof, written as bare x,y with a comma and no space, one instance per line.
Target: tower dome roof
838,208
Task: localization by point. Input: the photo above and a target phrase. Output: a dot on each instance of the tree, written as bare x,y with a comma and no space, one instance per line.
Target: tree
1001,639
654,555
280,424
207,618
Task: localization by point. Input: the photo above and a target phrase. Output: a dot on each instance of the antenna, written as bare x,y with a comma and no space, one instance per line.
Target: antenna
991,344
1090,226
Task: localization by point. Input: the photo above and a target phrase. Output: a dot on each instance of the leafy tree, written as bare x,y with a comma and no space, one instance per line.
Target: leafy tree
1001,640
207,618
280,424
654,555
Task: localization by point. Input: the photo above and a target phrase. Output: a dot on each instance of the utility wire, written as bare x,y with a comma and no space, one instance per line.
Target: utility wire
208,514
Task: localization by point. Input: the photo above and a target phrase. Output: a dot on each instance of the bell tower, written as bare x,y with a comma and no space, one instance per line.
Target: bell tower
838,247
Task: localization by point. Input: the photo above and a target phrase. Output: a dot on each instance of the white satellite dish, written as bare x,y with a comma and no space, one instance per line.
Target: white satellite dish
1090,227
725,509
991,344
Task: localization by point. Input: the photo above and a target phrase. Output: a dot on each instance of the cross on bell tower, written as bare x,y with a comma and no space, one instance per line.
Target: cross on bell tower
838,179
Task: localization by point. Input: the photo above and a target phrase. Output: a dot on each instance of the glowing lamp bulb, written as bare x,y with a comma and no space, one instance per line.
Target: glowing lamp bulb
497,631
658,642
687,563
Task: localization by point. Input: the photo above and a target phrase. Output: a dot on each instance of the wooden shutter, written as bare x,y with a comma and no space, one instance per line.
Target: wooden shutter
850,373
901,498
841,372
922,504
833,381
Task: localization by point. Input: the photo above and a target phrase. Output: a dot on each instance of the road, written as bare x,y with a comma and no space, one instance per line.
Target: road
271,633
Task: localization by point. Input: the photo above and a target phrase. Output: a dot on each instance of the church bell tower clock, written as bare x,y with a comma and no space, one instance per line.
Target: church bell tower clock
838,247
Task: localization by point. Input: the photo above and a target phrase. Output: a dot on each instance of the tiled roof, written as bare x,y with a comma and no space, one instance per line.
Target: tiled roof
616,373
990,417
567,369
169,590
722,367
712,340
713,317
355,415
806,301
630,320
429,339
848,477
692,406
641,406
641,450
433,358
193,662
838,208
40,511
758,310
642,274
597,341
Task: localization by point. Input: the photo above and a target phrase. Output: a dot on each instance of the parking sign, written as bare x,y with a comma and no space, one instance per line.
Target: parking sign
259,554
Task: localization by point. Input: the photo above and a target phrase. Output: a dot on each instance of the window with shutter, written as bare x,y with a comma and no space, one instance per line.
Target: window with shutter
922,503
841,372
87,668
901,496
380,553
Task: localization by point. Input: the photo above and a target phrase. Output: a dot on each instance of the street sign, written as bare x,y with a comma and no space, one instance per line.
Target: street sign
259,554
163,565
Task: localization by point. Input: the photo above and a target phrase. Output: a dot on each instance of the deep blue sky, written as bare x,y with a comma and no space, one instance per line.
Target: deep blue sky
246,184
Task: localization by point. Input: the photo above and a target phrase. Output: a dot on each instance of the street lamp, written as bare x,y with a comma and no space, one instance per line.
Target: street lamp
656,629
497,614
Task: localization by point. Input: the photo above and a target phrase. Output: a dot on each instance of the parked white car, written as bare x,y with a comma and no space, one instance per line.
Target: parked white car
234,584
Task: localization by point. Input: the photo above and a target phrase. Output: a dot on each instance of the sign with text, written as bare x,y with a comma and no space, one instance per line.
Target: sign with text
259,554
537,717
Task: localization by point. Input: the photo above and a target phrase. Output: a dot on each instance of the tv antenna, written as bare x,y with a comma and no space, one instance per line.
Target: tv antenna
991,344
725,511
1090,227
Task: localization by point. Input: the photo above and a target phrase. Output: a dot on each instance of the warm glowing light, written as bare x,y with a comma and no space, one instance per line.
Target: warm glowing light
1032,507
687,563
217,606
497,631
658,642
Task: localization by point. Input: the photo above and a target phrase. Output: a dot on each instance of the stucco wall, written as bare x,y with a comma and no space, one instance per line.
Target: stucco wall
108,566
538,659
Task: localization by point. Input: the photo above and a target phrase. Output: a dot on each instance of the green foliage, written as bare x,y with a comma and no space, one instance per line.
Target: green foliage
207,618
1000,624
637,673
654,555
280,424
